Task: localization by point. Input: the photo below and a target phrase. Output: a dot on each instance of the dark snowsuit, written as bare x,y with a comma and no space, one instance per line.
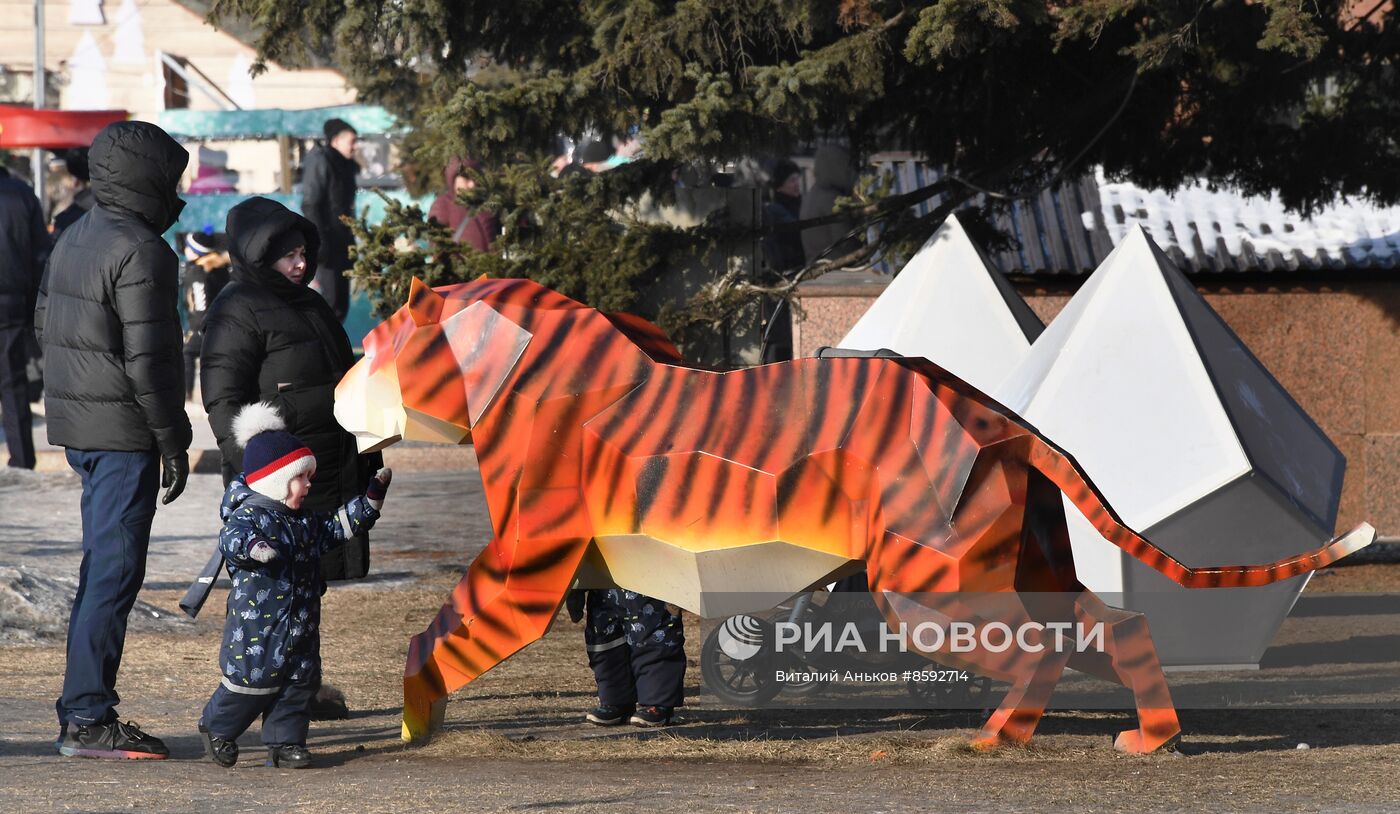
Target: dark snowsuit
24,246
636,648
327,194
269,339
115,390
270,656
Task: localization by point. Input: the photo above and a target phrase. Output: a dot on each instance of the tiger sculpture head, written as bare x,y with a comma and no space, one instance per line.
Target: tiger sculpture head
437,365
420,378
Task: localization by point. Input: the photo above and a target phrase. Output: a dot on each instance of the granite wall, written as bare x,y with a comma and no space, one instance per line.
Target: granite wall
1334,347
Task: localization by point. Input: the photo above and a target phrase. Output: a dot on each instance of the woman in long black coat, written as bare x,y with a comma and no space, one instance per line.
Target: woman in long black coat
269,337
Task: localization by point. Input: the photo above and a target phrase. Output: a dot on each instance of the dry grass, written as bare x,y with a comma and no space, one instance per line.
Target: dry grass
514,739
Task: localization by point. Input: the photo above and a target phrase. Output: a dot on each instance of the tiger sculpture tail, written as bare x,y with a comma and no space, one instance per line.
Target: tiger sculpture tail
1061,470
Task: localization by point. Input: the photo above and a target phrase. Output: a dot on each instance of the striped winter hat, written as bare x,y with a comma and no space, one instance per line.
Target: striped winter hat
203,242
271,455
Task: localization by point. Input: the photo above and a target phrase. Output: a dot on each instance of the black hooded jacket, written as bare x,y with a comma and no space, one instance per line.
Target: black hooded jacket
24,245
113,375
327,194
269,339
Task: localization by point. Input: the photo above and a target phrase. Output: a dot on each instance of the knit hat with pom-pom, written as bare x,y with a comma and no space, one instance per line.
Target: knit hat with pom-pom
271,455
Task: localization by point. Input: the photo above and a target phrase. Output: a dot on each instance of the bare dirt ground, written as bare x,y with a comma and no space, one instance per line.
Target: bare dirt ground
513,740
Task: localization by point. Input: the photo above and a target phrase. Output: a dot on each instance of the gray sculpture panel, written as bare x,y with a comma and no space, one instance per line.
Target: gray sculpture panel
1277,435
1250,520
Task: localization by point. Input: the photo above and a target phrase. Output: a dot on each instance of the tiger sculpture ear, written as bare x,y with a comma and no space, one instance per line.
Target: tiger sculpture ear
424,304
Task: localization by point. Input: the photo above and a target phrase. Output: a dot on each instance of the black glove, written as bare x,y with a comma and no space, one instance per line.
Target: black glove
174,471
573,601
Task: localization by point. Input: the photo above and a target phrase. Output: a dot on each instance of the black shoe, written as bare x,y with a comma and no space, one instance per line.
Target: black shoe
222,752
609,715
652,716
292,756
113,740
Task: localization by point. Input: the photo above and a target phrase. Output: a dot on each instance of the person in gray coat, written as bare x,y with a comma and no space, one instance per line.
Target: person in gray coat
833,177
115,399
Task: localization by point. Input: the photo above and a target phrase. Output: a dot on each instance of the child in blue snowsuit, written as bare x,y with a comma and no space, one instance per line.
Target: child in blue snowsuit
636,647
270,655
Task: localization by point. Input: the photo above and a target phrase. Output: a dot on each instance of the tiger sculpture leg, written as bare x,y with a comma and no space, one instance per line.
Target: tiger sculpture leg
1130,658
507,599
1012,536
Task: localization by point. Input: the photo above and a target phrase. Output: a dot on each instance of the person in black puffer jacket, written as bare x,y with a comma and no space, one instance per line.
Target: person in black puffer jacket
327,195
24,247
115,398
269,338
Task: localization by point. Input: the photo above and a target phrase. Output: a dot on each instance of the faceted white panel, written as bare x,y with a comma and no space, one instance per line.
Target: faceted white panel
1118,382
240,82
87,77
1191,440
130,36
86,12
951,307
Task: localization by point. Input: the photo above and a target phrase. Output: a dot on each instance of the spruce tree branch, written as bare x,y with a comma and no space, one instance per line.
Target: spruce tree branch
1065,166
872,211
859,256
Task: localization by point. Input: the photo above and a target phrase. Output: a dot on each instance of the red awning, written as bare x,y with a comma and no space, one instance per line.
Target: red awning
23,127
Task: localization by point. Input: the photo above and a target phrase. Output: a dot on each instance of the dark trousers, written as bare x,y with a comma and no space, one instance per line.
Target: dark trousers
191,353
636,648
286,713
118,505
14,396
335,287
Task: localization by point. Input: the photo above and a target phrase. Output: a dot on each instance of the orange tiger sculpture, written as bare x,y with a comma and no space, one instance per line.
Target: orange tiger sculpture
601,452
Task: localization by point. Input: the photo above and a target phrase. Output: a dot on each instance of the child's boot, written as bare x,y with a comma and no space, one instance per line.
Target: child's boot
609,714
652,716
222,752
290,756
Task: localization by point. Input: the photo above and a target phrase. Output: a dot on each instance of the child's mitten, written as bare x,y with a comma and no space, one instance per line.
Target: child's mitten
262,552
573,602
379,487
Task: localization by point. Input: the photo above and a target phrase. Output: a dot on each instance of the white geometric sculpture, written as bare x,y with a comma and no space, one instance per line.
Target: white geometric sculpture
948,305
1191,440
240,82
86,12
130,35
87,77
